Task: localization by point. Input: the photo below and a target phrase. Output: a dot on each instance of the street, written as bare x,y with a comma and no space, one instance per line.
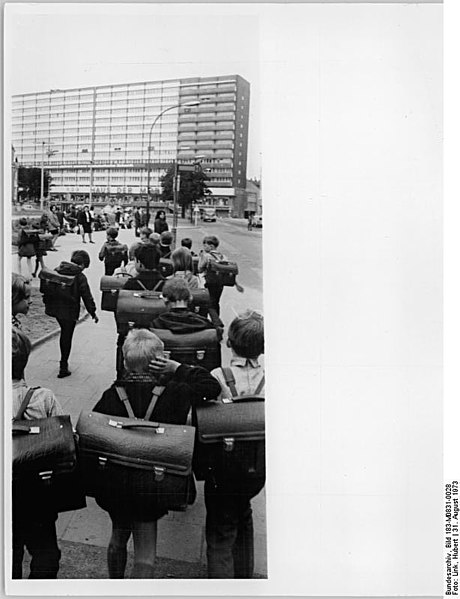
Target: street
181,547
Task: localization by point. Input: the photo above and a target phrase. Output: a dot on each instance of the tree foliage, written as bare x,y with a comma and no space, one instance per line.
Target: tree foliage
29,179
192,187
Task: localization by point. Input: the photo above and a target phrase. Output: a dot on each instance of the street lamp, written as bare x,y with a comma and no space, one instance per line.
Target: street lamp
149,165
49,153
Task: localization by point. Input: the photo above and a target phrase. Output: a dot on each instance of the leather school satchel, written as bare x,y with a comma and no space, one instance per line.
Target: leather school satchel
110,285
223,270
231,436
200,300
58,287
138,308
195,349
166,267
45,465
135,457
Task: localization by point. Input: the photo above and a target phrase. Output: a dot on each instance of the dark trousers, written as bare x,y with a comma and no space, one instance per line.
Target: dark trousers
110,267
229,533
40,540
215,291
65,340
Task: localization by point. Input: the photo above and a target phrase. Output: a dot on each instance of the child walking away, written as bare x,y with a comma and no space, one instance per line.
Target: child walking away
166,240
131,511
215,282
34,525
113,253
26,244
230,486
62,291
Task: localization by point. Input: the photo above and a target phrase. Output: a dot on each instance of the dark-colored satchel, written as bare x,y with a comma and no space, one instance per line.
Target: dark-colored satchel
138,460
231,437
200,300
45,468
195,349
138,308
223,271
58,287
110,285
166,267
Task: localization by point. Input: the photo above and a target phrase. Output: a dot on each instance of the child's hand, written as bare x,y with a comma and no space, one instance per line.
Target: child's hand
162,365
239,287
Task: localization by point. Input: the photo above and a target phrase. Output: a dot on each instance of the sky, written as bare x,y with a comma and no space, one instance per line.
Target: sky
53,46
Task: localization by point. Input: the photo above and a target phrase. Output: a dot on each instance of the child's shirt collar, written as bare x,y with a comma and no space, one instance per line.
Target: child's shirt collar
242,362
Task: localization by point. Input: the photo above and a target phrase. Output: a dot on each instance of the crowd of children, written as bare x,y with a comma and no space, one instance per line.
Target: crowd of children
142,365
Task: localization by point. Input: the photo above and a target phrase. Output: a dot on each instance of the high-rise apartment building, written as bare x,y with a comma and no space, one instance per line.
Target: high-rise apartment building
95,140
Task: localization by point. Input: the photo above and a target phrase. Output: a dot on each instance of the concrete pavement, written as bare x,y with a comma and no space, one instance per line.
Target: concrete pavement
92,363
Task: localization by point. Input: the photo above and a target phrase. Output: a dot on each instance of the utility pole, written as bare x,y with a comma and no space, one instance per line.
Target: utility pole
176,188
42,178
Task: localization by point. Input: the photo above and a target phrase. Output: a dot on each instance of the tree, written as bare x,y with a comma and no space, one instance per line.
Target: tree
29,179
192,187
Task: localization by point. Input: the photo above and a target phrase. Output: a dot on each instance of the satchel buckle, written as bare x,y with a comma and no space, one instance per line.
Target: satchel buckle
34,430
102,462
229,443
159,473
46,476
115,424
200,354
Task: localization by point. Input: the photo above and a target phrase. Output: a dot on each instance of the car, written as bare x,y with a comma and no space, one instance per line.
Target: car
257,220
209,215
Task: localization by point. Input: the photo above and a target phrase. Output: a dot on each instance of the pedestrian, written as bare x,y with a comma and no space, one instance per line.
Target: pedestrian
166,240
41,243
85,220
186,242
229,525
61,218
160,222
145,218
113,253
183,267
250,223
34,521
137,221
20,297
145,233
53,226
212,283
109,211
137,514
26,247
64,303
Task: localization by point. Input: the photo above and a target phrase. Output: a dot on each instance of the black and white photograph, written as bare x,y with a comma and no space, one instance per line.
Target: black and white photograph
223,236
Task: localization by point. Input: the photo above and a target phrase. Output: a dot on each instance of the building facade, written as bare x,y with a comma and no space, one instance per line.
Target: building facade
95,141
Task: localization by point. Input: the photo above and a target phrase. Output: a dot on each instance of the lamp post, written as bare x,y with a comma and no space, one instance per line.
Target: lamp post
49,153
149,165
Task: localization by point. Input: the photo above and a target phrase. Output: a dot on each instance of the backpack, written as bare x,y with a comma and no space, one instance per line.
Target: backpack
231,438
58,288
116,252
221,270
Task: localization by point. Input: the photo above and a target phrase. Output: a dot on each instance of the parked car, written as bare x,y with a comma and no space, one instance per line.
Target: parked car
209,215
257,220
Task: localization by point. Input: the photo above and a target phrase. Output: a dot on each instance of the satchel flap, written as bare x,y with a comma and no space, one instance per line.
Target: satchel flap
51,276
139,306
110,283
200,297
50,445
191,341
221,419
138,447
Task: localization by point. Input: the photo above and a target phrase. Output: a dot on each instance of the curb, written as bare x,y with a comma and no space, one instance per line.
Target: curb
54,333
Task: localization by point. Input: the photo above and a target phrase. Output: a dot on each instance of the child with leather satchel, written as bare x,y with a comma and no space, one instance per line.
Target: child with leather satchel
227,492
156,389
34,522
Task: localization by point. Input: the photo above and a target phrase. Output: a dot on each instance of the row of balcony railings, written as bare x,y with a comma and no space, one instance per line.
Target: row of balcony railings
187,90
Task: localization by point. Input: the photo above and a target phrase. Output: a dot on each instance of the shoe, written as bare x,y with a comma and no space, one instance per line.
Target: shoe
52,250
63,372
34,275
92,242
84,241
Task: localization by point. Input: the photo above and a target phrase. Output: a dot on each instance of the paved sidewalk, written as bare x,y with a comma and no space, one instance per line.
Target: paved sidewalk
92,363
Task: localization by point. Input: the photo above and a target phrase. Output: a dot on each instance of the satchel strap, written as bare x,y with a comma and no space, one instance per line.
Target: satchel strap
260,386
124,398
229,380
141,284
25,403
157,391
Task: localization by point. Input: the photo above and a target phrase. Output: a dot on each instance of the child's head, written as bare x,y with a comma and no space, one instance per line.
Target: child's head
182,259
155,238
112,233
140,348
146,256
176,290
166,238
145,233
81,258
210,243
20,351
20,294
186,243
246,334
23,221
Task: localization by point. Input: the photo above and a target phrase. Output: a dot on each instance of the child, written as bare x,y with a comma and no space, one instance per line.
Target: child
147,275
184,385
229,526
26,248
113,253
166,240
186,242
145,233
183,267
20,297
34,525
66,309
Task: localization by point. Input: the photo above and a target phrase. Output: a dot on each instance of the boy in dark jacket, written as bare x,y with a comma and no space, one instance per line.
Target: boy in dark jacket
113,253
66,307
148,276
183,386
166,240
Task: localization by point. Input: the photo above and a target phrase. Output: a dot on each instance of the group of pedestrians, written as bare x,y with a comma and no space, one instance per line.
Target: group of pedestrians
141,366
